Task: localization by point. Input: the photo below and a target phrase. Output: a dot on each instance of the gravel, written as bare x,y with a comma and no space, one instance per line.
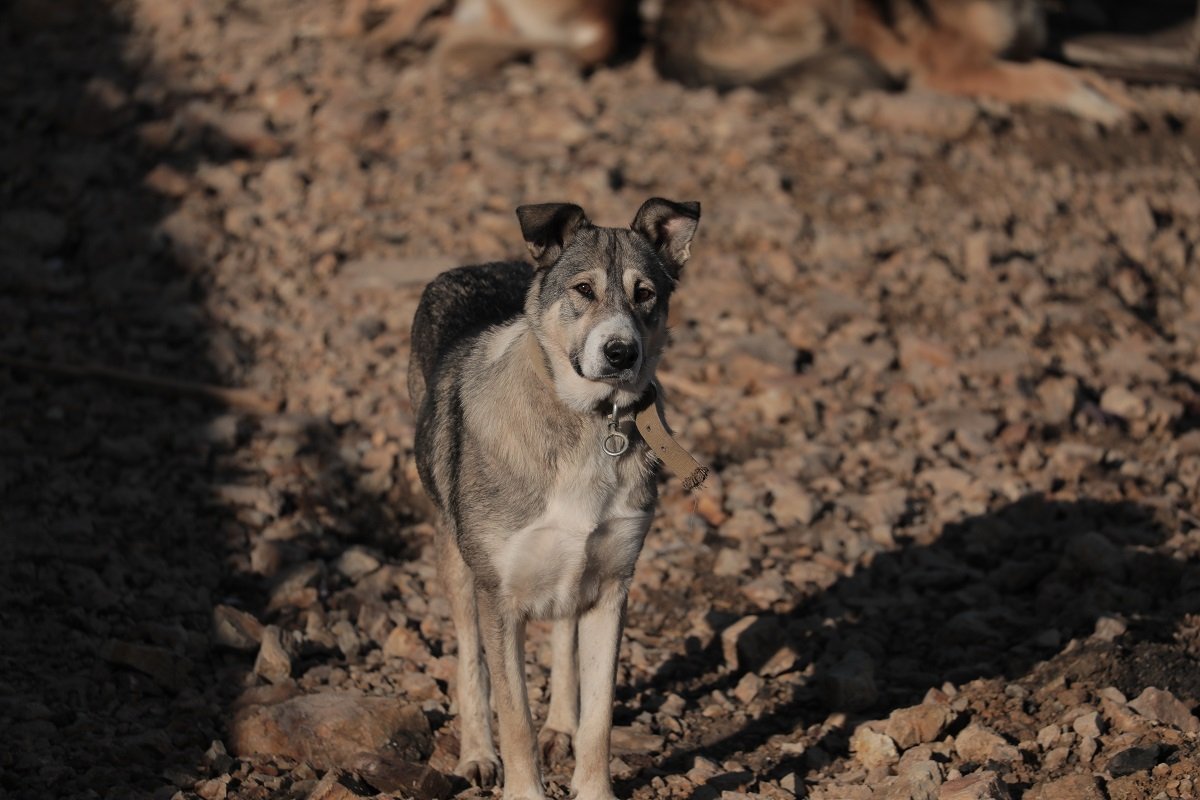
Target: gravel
942,357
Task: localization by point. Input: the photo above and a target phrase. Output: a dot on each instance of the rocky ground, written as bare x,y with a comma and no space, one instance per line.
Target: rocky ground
944,358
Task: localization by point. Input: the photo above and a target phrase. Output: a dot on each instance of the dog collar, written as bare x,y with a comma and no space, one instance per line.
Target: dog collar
650,420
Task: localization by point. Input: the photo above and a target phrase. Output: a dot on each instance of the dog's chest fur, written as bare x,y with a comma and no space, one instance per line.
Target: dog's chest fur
588,535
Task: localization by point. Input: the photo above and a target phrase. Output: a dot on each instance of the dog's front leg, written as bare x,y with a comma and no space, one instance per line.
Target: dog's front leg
504,643
600,637
563,718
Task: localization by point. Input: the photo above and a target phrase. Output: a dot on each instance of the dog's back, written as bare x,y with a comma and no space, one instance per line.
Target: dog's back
457,305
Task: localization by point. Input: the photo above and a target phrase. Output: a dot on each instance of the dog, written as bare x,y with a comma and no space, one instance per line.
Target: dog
524,381
971,48
485,33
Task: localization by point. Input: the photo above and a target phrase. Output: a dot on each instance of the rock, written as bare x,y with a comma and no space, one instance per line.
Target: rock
754,643
791,505
1133,759
337,785
979,745
1162,706
1109,628
731,561
273,662
405,778
765,590
850,685
357,562
918,780
983,785
1120,402
915,725
747,688
627,740
236,629
1088,725
332,729
404,642
1072,787
873,749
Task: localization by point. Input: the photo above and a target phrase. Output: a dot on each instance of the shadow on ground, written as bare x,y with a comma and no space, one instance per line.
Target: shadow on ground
126,512
993,597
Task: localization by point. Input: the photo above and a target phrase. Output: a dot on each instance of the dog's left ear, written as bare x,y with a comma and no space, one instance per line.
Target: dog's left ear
669,226
548,228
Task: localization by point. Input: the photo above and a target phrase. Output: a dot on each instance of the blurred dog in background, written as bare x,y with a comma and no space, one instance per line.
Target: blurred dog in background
972,48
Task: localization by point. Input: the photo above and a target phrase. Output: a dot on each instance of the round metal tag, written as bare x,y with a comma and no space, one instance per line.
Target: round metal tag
615,443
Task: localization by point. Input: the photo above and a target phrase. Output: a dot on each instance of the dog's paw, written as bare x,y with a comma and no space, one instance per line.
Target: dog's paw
481,770
555,746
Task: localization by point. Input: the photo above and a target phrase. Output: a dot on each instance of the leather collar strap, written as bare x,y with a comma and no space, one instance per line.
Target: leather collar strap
652,424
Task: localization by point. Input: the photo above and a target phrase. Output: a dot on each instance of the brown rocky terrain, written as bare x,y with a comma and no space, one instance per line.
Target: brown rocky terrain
944,358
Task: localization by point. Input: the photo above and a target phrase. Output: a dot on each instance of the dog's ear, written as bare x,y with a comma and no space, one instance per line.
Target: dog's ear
548,228
669,226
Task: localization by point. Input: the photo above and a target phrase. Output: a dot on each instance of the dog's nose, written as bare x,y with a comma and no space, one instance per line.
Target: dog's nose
621,355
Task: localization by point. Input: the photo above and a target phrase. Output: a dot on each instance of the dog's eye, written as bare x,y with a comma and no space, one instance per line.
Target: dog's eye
585,289
642,294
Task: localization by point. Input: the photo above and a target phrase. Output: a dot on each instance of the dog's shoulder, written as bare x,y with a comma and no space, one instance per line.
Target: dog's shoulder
460,304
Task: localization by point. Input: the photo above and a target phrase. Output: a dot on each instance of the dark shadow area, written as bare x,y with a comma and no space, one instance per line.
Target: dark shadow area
110,540
133,503
993,597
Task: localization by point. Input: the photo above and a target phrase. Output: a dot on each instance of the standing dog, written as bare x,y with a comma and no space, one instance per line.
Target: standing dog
524,382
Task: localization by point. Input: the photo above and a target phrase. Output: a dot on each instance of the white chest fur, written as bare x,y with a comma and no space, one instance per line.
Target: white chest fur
587,537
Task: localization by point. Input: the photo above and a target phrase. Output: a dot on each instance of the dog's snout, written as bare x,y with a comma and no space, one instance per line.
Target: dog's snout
621,355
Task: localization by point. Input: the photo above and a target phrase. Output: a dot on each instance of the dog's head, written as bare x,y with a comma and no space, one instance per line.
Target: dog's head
600,297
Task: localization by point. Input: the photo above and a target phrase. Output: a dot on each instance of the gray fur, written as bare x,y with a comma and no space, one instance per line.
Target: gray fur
512,395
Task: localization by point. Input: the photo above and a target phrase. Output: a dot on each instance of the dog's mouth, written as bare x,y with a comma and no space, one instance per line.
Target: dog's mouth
620,379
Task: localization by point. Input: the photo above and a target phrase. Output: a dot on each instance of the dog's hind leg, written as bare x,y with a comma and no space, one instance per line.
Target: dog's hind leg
504,644
554,741
477,755
600,632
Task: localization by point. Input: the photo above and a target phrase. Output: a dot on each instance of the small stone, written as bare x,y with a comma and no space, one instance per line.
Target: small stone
627,740
872,748
1109,628
1164,707
765,590
1133,759
357,562
406,643
273,662
731,561
337,785
751,643
979,744
983,785
404,778
1048,736
748,688
1072,787
1088,725
236,629
919,724
1119,401
791,505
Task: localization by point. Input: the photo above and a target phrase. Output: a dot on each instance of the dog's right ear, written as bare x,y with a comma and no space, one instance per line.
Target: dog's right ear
548,228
